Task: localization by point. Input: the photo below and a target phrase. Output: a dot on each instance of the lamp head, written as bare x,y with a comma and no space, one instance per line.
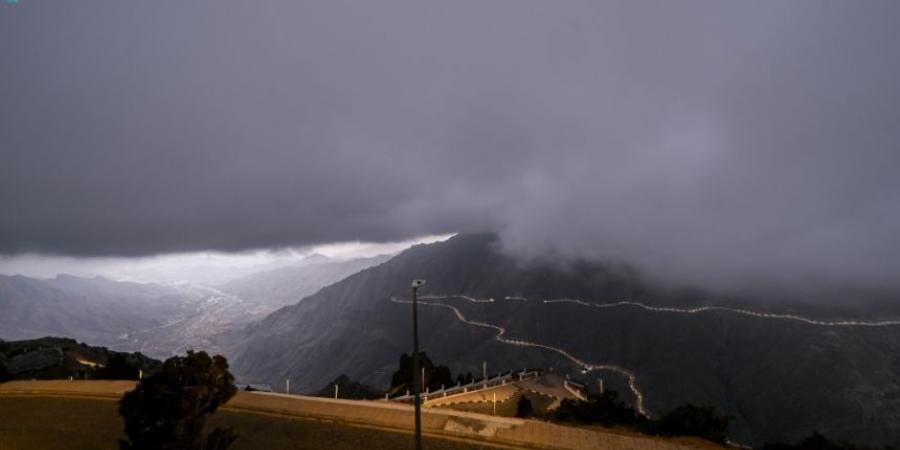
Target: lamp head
418,283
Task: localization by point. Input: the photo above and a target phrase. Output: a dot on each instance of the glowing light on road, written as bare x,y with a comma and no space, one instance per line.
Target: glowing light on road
632,381
691,310
745,312
464,297
587,367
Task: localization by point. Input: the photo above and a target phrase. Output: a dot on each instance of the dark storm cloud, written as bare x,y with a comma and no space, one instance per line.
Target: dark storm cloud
699,140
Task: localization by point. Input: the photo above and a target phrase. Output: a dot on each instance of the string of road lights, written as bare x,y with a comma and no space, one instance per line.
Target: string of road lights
745,312
632,383
695,310
585,366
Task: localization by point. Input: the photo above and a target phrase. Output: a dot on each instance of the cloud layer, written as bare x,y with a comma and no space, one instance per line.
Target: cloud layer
705,141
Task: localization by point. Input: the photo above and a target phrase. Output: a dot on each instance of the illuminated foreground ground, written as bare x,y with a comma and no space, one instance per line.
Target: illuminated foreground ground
82,415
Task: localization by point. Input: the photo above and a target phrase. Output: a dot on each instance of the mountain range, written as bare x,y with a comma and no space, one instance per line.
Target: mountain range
781,369
158,320
288,285
95,310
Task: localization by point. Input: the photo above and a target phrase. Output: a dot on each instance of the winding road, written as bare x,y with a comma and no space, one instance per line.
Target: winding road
585,366
745,312
693,310
628,374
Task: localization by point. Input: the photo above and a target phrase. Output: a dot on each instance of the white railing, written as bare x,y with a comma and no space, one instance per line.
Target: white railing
474,386
572,387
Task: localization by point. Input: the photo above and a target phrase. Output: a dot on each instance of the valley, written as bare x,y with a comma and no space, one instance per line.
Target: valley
766,366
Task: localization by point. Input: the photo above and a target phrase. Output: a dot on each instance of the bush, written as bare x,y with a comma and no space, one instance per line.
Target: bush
348,388
524,408
814,441
435,376
118,367
465,379
690,420
169,409
605,409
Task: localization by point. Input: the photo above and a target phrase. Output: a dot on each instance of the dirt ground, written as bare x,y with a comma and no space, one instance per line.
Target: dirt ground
52,423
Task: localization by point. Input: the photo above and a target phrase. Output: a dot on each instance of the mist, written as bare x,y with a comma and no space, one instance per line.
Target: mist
712,143
204,267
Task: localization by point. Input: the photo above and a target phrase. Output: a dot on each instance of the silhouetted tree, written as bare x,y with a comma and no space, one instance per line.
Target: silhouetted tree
169,409
348,388
465,379
434,376
402,378
524,407
438,377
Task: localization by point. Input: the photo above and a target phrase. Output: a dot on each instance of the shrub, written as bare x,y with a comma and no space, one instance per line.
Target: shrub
605,409
169,409
815,441
348,388
524,407
435,376
690,420
118,367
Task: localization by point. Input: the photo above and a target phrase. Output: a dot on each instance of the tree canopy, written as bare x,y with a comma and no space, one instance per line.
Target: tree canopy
435,376
169,409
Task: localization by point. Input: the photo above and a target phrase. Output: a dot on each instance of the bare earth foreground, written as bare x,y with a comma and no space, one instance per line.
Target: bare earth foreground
83,415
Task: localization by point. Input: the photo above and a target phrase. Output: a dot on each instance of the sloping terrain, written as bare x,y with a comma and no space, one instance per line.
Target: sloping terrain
63,414
288,285
154,319
94,310
158,320
779,378
59,423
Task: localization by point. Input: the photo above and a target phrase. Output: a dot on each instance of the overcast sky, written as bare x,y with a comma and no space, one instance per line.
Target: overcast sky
718,142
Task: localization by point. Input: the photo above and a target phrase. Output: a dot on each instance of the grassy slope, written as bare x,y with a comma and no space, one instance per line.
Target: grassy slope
77,423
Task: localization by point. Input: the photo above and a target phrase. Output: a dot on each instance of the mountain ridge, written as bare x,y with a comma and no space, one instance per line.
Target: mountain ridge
767,373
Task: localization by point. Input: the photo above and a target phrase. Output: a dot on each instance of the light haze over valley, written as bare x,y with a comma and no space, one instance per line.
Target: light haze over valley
686,202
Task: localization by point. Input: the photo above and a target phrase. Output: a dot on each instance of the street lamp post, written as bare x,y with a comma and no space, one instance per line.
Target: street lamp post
417,387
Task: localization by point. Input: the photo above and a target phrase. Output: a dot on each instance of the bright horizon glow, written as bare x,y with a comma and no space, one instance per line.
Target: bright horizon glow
198,267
